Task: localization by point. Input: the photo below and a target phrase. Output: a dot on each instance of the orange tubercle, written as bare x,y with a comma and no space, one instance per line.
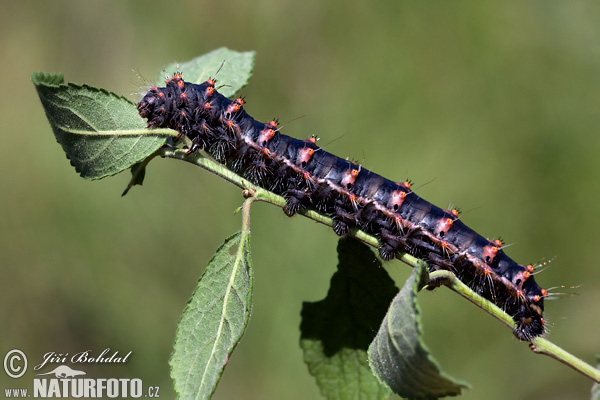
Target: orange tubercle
305,155
489,252
265,136
529,268
397,199
349,177
444,226
233,108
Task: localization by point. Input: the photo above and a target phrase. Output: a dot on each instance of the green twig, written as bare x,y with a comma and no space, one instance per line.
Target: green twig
246,219
543,346
447,278
539,345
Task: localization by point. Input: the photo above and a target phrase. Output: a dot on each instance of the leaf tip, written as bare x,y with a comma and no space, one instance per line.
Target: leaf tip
47,79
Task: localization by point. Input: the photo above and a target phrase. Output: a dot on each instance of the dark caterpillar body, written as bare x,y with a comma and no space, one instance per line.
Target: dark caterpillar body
309,177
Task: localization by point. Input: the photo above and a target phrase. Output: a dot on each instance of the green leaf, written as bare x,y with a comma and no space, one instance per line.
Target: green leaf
213,321
234,69
101,132
398,355
336,331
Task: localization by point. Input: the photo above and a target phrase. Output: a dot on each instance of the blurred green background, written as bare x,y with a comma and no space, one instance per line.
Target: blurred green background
490,107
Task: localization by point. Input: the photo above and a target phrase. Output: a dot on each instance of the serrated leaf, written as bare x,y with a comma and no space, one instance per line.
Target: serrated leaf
398,354
336,331
213,321
101,132
234,69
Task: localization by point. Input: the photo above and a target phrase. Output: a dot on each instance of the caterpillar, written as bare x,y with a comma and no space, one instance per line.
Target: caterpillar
309,177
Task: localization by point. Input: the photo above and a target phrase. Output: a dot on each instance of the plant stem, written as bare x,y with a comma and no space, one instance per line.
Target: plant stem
246,219
450,280
538,345
543,346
